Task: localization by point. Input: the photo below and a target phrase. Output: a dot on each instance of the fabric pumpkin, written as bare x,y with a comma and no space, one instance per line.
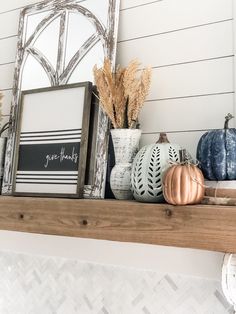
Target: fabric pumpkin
183,184
148,167
216,153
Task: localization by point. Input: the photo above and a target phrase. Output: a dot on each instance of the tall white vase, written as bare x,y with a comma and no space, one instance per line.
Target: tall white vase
126,146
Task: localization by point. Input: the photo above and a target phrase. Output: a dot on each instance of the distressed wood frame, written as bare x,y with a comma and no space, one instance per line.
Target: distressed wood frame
60,76
83,144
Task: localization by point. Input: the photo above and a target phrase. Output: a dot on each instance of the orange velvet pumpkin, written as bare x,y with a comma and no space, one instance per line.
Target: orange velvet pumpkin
183,184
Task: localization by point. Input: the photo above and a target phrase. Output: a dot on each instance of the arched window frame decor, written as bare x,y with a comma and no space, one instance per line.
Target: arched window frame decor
105,34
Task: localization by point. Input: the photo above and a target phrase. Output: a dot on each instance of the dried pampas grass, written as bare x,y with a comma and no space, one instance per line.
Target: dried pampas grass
123,92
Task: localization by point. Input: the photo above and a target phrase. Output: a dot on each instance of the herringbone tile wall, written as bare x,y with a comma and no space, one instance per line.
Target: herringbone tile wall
45,285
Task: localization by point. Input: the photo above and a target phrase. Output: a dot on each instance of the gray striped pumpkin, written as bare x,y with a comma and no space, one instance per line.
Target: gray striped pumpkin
148,168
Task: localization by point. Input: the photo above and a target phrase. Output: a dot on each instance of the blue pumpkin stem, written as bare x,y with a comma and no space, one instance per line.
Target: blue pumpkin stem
227,119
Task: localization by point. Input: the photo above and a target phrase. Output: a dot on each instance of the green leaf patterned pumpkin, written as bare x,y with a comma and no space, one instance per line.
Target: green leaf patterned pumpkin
148,167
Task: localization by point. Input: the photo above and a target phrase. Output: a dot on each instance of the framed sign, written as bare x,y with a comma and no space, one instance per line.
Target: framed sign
52,141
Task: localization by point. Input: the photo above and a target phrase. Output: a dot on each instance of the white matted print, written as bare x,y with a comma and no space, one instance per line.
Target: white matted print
52,141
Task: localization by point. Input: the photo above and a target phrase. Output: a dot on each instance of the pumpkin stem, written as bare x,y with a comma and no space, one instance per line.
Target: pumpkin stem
227,119
183,156
163,138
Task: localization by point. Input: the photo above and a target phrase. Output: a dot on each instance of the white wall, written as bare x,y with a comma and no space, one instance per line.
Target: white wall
189,44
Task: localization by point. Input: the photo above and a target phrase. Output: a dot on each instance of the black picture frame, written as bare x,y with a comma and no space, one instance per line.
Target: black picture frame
52,141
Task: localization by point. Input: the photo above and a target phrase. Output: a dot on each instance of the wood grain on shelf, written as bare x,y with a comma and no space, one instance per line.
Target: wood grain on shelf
201,226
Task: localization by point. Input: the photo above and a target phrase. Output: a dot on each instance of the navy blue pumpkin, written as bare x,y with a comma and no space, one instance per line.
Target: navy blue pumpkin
216,153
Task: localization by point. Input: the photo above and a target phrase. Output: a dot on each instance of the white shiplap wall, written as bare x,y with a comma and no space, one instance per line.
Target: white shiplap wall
188,43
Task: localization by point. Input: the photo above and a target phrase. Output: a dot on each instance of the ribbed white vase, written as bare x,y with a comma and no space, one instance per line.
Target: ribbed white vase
126,146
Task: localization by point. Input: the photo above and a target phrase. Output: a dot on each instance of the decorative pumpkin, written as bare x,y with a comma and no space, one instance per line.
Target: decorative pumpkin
216,153
148,167
183,183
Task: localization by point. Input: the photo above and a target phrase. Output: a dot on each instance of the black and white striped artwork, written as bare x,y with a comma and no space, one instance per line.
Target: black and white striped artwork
53,123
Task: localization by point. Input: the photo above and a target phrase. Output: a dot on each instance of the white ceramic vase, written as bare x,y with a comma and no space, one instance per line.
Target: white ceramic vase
126,146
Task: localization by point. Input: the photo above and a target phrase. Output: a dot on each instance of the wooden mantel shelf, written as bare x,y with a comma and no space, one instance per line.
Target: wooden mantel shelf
201,226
